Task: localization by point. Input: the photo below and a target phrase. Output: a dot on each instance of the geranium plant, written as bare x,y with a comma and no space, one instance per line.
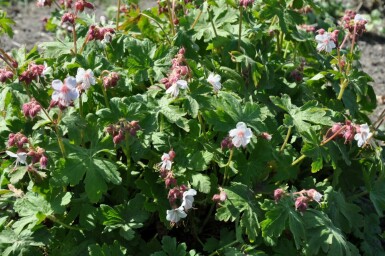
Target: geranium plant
192,128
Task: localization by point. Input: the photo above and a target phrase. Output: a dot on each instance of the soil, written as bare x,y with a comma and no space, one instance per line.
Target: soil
29,31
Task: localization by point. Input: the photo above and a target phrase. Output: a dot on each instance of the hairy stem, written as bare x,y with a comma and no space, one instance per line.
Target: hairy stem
171,16
160,26
197,18
118,16
75,38
286,139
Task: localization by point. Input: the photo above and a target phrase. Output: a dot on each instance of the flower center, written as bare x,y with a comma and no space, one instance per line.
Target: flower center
64,89
240,134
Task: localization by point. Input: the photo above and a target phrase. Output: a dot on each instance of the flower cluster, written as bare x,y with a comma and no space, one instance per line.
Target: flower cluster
111,80
38,156
162,7
5,74
302,198
349,131
68,18
354,23
100,33
81,4
17,140
33,72
246,3
120,130
179,70
31,109
23,150
176,192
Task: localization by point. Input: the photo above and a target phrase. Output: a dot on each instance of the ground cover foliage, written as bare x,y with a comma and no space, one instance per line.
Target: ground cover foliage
194,128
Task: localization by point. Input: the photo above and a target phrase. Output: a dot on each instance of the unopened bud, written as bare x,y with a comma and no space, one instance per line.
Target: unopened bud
278,193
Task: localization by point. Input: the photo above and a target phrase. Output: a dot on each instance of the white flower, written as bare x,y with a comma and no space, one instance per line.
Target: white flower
176,214
47,70
40,3
359,18
188,198
65,93
325,43
317,197
215,81
174,88
20,157
363,135
240,135
85,77
107,38
166,162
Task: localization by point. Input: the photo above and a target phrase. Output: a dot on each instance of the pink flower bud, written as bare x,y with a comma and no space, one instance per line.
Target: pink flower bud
170,181
26,107
321,31
183,70
183,188
222,196
11,139
278,193
172,154
349,133
336,127
68,17
79,5
15,64
111,129
216,198
5,74
266,136
23,140
43,162
182,51
314,195
118,138
301,203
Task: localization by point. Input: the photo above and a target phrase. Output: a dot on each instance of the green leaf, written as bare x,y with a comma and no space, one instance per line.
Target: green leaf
192,106
5,24
107,250
229,111
18,244
377,196
200,160
280,217
309,115
344,215
98,172
240,202
201,182
125,217
323,235
17,174
172,248
54,49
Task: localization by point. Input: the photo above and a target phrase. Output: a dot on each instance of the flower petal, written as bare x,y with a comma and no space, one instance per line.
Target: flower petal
57,84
